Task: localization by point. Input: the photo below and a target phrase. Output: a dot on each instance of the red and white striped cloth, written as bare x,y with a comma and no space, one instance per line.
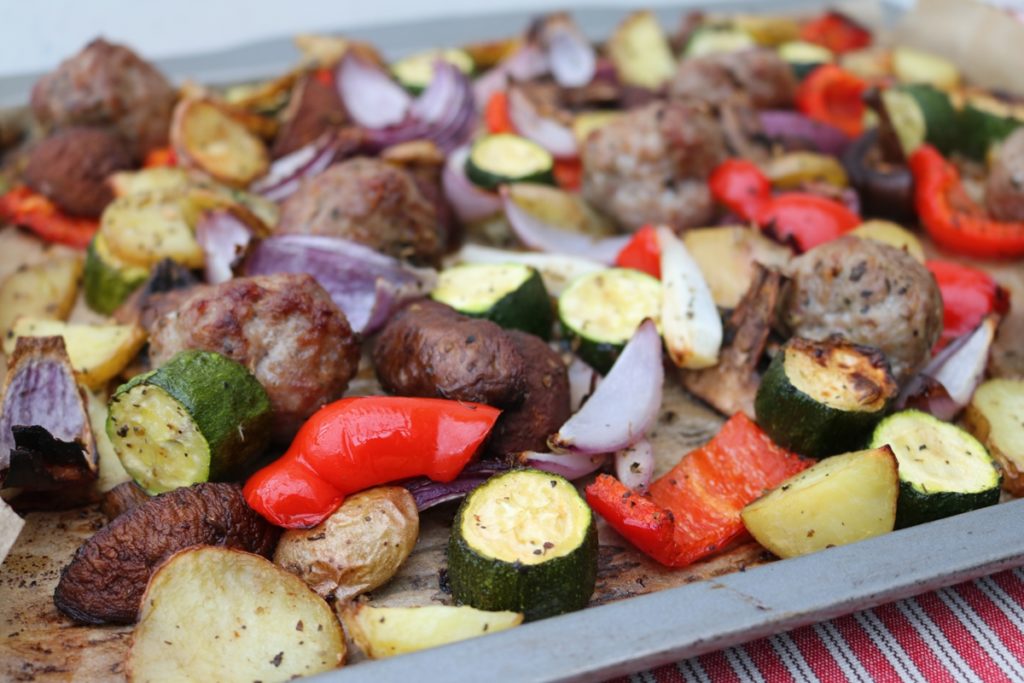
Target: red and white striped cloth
970,632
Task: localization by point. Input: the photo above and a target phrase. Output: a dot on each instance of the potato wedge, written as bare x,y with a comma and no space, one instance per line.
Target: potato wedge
567,210
727,255
143,229
215,614
842,499
893,234
356,549
43,290
207,137
995,417
158,179
387,631
97,352
640,51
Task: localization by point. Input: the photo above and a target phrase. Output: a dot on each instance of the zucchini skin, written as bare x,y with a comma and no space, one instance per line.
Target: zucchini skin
528,308
979,130
106,286
915,507
941,119
491,180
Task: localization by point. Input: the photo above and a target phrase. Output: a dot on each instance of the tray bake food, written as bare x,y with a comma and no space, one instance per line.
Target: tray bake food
678,268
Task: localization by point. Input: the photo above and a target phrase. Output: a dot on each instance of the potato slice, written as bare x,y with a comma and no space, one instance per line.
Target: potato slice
840,500
97,352
43,290
158,179
727,255
143,229
207,137
996,417
218,614
640,51
387,631
893,234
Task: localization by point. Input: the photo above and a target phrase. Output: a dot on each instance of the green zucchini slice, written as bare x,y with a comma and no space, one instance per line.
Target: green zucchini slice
804,57
943,470
599,312
524,541
108,281
921,113
506,158
984,121
416,71
200,417
510,294
823,398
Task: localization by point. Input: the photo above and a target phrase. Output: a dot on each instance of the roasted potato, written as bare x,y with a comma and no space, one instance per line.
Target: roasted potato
727,257
105,579
996,417
217,614
567,210
356,549
387,631
158,179
207,137
142,229
43,290
640,51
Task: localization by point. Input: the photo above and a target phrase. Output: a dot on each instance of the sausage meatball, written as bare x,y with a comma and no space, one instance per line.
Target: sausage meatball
71,168
869,293
108,85
759,77
650,166
367,201
284,328
430,350
1004,192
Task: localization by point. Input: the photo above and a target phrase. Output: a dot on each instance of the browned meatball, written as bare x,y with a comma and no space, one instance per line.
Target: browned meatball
430,350
1004,192
545,405
650,166
367,201
759,77
869,293
284,328
108,85
315,108
71,168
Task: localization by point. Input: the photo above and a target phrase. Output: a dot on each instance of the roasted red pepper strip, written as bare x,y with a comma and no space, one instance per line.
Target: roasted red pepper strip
496,114
694,510
954,220
837,32
642,252
968,295
741,187
356,443
568,173
160,157
832,95
21,206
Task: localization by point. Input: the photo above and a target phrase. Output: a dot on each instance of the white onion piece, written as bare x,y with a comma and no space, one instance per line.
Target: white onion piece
470,203
635,465
571,57
583,380
289,171
689,318
569,465
536,234
624,405
371,98
366,285
546,132
224,239
557,270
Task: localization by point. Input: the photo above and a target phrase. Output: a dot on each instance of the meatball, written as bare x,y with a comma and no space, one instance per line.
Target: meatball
430,350
1004,191
758,77
284,328
315,108
71,168
108,85
367,201
869,293
650,166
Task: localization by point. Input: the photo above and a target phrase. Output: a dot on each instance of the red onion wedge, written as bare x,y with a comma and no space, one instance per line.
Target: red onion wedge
796,131
572,466
470,203
624,405
536,234
945,386
525,64
550,134
689,318
366,285
572,58
428,493
286,173
635,465
370,96
583,380
225,238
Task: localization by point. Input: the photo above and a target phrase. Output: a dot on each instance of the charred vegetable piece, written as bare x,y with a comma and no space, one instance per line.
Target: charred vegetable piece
416,71
207,137
524,541
886,190
507,158
218,614
511,295
996,417
199,417
387,631
640,51
45,290
921,113
943,470
122,498
108,280
841,500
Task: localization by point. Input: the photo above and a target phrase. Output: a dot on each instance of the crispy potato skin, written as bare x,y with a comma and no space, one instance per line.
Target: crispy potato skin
358,548
106,578
979,425
430,350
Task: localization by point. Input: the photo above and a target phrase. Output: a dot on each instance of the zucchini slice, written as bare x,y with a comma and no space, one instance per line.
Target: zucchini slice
823,398
710,41
804,57
921,113
506,158
943,470
416,71
996,417
601,311
200,417
509,294
108,281
984,121
524,541
838,501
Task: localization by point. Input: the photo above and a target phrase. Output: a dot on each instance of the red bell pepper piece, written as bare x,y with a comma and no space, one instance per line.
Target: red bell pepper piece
741,187
356,443
968,296
642,253
837,32
954,220
496,114
694,510
21,206
832,95
160,157
568,173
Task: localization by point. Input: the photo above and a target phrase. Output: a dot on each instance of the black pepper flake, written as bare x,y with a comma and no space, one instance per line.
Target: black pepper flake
276,661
